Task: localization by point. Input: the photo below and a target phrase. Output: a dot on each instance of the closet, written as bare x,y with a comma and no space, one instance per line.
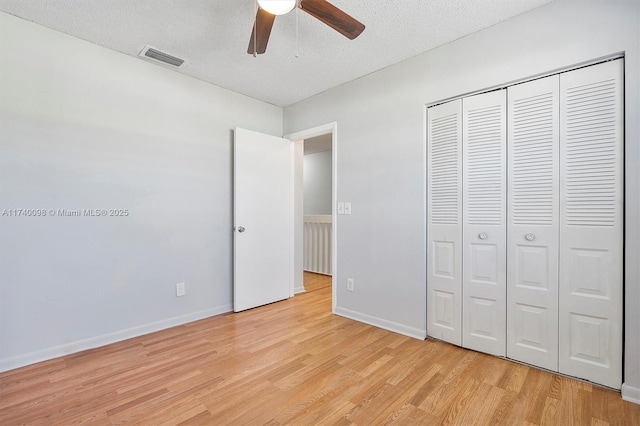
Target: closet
525,222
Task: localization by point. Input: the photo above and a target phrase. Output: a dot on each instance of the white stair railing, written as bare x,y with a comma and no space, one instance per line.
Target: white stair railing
317,244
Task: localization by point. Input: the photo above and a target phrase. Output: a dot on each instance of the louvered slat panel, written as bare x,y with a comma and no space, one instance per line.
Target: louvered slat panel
591,155
444,170
532,144
484,162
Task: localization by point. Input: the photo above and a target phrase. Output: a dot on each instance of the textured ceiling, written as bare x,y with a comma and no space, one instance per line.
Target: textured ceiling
212,37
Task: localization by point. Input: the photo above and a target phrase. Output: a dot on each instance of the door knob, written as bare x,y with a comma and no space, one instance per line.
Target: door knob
529,237
240,228
482,235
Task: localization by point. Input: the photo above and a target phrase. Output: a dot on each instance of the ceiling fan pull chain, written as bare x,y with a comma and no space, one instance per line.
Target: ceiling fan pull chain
297,53
255,30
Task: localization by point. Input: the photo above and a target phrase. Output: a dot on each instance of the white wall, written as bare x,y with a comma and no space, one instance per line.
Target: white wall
381,151
84,127
317,183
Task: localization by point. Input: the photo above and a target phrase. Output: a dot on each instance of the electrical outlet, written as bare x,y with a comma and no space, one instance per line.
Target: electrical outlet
181,289
350,284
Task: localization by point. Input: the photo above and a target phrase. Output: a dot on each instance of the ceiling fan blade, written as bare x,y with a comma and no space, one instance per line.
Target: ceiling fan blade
261,32
333,17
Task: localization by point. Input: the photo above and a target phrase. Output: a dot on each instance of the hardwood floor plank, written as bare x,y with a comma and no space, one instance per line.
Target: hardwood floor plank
460,405
330,414
473,407
293,362
136,402
536,388
440,399
490,406
513,377
598,422
409,414
313,281
312,406
549,412
204,418
488,369
631,414
503,408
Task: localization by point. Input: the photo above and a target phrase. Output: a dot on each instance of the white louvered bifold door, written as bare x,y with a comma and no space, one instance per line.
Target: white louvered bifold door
533,215
484,137
591,223
444,233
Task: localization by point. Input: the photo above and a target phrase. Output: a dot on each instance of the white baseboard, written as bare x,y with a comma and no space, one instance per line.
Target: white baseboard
106,339
395,327
631,394
298,290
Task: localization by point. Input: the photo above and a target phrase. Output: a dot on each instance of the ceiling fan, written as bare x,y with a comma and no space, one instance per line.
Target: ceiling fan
319,9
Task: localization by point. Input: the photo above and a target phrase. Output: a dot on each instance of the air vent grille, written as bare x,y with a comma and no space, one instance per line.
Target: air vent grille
152,53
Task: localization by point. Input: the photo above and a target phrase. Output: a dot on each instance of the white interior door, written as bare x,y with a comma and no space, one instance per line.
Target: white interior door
262,219
444,233
484,139
533,215
591,222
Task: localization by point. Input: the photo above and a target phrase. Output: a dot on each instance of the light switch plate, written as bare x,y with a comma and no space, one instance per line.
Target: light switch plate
341,208
181,289
347,208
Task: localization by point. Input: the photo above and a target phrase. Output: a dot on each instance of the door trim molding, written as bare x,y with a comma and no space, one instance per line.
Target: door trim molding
323,129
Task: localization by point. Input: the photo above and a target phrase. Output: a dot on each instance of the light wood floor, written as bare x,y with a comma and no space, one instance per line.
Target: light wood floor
313,282
294,362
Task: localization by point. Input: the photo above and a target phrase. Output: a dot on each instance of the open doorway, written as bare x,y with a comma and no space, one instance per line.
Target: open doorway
321,140
317,208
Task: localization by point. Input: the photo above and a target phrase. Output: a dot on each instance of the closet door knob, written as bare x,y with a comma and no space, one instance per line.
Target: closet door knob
482,235
529,237
240,228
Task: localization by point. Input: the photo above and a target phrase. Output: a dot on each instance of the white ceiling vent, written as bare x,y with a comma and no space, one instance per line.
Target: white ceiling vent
157,55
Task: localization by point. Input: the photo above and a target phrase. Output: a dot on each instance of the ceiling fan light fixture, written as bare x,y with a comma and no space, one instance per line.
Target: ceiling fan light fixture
277,7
